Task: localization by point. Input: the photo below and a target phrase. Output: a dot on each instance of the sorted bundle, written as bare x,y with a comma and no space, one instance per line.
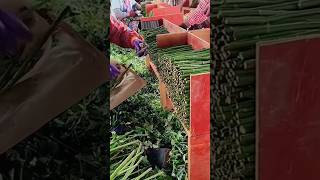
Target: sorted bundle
176,65
150,36
127,159
238,27
149,24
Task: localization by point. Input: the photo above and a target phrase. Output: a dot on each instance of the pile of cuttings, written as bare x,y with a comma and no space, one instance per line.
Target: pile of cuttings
239,26
128,160
13,68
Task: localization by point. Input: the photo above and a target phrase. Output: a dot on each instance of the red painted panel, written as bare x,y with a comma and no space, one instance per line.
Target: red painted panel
166,11
199,157
171,27
174,18
163,5
200,104
150,7
197,43
289,111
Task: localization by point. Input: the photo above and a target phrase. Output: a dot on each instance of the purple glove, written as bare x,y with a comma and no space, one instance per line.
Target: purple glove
141,50
132,14
11,31
114,71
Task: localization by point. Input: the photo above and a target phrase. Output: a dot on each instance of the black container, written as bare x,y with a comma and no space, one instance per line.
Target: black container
158,157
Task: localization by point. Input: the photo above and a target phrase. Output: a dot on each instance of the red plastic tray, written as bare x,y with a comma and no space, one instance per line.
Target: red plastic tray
199,157
288,110
182,38
165,11
150,7
199,135
199,132
174,18
200,104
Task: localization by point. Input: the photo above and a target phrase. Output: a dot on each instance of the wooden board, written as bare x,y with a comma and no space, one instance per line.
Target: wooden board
288,110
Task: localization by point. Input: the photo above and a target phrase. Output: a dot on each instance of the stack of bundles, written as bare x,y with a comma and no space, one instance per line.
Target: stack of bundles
239,25
150,37
175,65
145,25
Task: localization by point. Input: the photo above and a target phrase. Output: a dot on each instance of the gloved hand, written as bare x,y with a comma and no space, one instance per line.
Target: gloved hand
12,30
184,26
141,49
114,71
132,14
136,7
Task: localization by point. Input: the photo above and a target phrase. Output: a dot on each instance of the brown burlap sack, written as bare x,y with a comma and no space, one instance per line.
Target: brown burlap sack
66,72
130,84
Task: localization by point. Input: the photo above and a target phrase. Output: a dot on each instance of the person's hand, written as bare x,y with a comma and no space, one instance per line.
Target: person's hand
12,31
184,26
139,46
132,14
206,23
136,7
114,71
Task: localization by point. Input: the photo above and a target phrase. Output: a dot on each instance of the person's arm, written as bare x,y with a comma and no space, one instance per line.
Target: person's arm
121,35
135,6
199,15
120,15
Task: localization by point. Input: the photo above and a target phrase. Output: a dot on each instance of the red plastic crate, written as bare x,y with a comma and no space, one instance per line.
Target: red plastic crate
200,104
199,157
150,7
199,135
199,132
182,38
165,11
173,18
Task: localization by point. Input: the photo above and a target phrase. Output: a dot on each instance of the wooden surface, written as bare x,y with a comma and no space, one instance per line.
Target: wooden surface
288,110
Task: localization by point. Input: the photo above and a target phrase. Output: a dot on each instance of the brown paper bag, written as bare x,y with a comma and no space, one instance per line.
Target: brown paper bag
64,75
130,84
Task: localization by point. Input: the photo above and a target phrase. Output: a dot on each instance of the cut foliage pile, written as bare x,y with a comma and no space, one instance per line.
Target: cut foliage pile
143,114
128,160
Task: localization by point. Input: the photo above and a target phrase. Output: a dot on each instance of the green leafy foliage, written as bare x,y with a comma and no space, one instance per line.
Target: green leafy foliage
90,17
128,160
73,145
144,115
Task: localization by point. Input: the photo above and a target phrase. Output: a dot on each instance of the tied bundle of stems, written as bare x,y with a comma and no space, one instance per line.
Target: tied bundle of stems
150,24
176,65
238,27
19,67
150,36
128,160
